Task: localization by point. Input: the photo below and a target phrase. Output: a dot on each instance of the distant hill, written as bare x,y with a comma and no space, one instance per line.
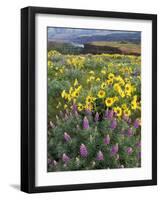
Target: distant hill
127,37
112,48
82,36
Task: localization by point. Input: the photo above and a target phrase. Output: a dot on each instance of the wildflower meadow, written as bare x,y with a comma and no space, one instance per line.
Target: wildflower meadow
94,111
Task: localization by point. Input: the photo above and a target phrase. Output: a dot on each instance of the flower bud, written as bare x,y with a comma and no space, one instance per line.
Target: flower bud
67,137
114,149
100,156
106,140
96,117
129,150
65,158
85,123
83,150
113,124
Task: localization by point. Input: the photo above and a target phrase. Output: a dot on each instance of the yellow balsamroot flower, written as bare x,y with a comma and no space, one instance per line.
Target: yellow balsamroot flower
109,101
80,107
65,106
124,106
75,82
128,89
75,93
120,80
135,97
101,94
53,53
98,79
118,111
89,106
49,54
91,72
69,97
89,99
115,98
103,71
122,93
50,64
127,112
70,90
59,104
111,76
91,78
134,103
78,88
61,71
116,87
64,94
139,77
103,85
110,81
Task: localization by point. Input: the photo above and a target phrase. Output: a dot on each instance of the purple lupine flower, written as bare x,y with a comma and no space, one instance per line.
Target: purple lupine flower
67,137
136,123
106,114
113,124
54,162
83,150
106,140
138,144
115,114
74,107
49,161
109,114
129,121
139,155
76,113
100,156
125,118
65,158
96,117
85,123
129,132
129,150
114,149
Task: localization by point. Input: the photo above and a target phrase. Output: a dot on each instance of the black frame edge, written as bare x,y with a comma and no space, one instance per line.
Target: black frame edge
154,99
27,102
24,100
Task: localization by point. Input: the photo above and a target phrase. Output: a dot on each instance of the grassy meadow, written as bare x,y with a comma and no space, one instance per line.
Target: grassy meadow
94,109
